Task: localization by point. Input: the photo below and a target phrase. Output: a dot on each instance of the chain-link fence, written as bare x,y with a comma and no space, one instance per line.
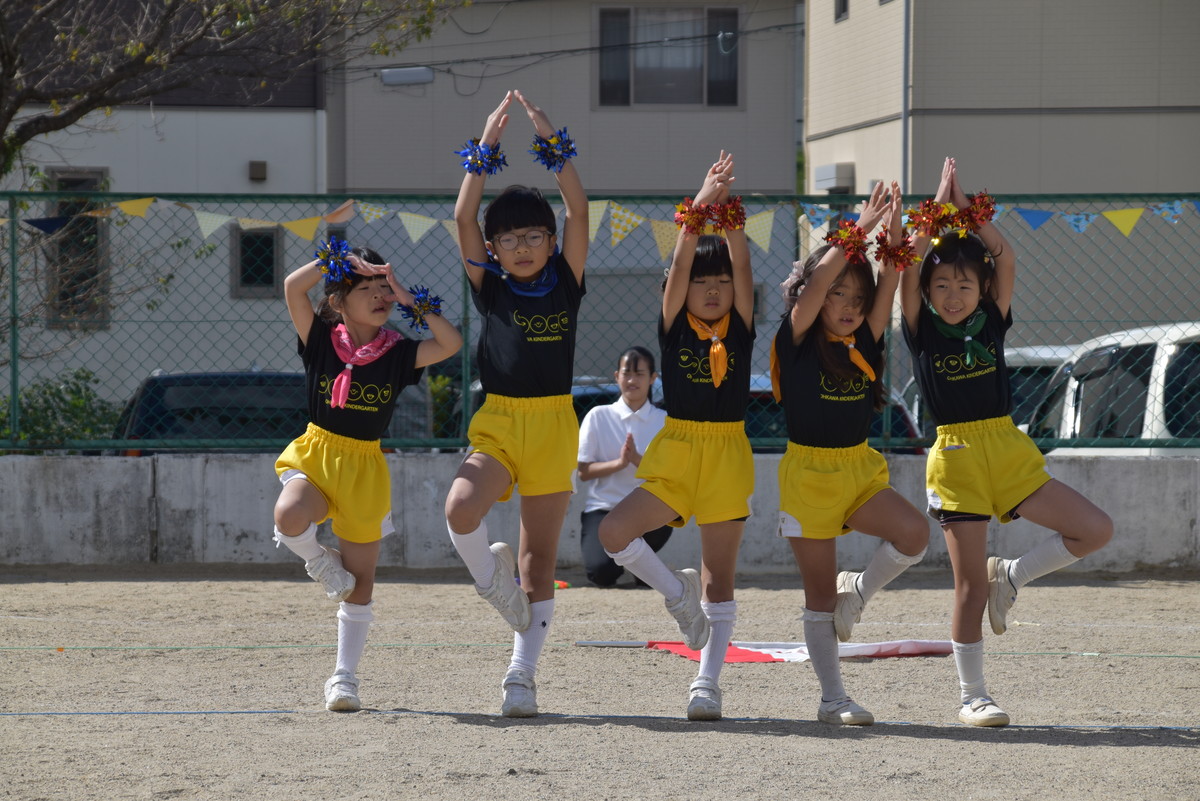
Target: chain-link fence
158,323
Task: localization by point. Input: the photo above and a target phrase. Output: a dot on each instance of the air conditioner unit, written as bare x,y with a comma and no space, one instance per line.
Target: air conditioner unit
834,178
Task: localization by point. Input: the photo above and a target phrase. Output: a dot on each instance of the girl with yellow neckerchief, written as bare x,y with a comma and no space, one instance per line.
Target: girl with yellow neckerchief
700,464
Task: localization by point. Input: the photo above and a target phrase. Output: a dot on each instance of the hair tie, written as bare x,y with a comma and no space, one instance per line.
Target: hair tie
554,151
480,157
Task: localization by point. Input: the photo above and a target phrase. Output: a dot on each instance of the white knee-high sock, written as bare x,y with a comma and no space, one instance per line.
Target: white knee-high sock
721,617
354,620
640,559
475,551
527,644
886,563
1047,556
822,643
304,544
968,658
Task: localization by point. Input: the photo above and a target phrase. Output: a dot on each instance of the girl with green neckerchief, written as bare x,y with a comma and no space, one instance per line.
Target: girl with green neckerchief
956,310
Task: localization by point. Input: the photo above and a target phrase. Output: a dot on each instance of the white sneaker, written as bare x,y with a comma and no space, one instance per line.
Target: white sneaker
520,694
341,693
686,609
983,712
1001,594
510,600
849,607
704,700
844,712
327,569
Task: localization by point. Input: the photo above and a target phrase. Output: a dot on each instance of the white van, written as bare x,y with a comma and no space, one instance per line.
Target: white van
1141,384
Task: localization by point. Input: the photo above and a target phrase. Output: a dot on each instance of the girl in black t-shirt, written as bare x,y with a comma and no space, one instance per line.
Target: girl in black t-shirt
336,470
700,463
956,313
526,434
830,382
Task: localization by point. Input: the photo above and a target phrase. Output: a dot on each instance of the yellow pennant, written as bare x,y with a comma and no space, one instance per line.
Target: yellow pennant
370,212
759,228
451,229
136,208
622,221
210,222
596,209
306,229
417,225
1124,219
666,233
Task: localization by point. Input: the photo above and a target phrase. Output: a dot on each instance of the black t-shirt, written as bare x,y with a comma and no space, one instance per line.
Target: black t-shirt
374,387
825,411
954,393
527,345
688,389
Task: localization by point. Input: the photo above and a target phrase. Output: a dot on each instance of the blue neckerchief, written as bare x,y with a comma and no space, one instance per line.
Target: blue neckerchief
539,287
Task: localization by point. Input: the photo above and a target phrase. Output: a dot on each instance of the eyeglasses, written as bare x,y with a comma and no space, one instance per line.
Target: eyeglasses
531,239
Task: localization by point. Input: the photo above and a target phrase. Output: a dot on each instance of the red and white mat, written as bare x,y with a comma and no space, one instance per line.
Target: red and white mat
791,651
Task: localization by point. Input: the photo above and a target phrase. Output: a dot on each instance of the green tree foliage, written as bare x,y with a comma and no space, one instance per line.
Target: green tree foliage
58,409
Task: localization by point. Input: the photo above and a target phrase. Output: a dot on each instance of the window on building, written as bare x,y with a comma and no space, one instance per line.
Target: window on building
672,55
257,256
841,10
77,254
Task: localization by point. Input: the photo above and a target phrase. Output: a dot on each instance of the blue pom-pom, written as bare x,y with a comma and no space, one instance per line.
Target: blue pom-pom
422,306
555,151
333,259
480,157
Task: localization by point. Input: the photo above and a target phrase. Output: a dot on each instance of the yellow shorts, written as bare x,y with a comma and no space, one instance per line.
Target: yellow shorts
536,439
701,469
985,467
820,488
352,476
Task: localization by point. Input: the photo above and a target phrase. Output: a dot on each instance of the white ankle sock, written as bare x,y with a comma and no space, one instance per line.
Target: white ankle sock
886,563
527,644
475,551
822,644
354,620
1047,556
721,617
304,544
968,658
641,560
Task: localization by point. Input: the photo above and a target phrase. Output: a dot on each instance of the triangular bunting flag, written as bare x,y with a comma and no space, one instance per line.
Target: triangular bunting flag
4,220
306,229
417,225
48,225
853,216
1080,221
451,229
1124,219
596,209
759,228
370,213
816,215
1000,209
136,208
104,212
666,233
1035,217
341,214
622,221
210,222
250,223
1168,211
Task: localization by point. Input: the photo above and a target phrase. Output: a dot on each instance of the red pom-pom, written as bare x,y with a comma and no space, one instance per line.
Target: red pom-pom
851,239
900,256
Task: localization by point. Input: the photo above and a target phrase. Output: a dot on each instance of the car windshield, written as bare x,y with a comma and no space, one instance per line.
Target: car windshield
222,411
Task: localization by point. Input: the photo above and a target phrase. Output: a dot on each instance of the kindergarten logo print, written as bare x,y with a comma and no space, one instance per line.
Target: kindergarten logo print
543,327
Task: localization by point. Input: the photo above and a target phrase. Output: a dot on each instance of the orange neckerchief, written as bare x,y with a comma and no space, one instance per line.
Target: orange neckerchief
856,358
718,359
776,389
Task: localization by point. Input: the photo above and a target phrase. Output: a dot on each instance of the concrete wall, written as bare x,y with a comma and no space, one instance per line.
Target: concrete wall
217,508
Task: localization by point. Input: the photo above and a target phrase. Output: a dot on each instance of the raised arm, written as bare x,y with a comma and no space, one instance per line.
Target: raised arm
295,292
574,241
466,211
714,190
1005,277
910,280
880,313
446,339
812,295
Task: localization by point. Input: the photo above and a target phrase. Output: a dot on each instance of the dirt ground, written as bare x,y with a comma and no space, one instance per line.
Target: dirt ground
205,682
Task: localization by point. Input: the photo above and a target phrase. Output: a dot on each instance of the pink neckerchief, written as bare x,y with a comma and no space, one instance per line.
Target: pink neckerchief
343,345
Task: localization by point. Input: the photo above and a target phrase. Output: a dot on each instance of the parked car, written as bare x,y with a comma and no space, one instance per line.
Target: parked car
1029,369
241,406
1143,383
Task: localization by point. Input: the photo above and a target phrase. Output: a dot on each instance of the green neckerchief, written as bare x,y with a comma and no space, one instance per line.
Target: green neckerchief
966,331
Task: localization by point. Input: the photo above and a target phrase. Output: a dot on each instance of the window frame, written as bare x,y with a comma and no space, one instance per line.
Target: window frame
73,208
841,10
241,291
706,78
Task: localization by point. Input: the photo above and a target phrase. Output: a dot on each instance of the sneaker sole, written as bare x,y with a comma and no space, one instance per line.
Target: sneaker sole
703,713
987,722
854,720
519,712
998,622
692,578
523,614
343,704
843,625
